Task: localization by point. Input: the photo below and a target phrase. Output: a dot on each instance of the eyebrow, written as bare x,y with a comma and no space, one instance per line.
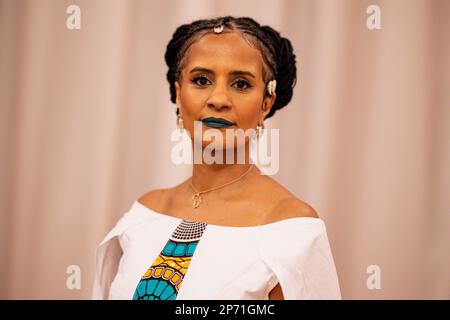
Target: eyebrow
232,73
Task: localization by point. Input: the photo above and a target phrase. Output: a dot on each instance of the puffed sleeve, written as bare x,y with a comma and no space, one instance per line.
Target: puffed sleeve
298,252
109,252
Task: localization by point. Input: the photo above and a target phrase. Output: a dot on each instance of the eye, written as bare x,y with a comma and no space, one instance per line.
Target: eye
242,84
200,81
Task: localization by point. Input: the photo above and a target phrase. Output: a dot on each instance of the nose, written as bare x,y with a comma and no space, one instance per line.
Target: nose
219,98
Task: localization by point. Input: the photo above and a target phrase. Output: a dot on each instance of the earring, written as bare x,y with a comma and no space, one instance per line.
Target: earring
180,123
259,130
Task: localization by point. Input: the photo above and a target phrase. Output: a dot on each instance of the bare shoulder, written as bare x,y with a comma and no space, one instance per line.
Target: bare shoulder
154,199
292,207
286,205
161,199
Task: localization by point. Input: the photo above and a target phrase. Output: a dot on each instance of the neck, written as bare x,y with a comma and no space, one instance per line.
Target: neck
208,176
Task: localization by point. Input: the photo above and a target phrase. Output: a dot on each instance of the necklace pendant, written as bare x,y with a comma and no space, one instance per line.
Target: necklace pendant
196,200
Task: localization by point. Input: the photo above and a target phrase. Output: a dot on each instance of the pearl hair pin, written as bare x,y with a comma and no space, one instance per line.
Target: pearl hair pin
271,86
218,28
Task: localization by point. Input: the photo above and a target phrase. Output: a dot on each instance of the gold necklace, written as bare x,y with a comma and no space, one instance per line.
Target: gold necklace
197,198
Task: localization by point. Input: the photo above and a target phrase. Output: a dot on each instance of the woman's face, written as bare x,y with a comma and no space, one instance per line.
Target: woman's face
223,78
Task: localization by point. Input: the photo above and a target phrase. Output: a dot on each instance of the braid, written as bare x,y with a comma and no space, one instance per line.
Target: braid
277,52
286,63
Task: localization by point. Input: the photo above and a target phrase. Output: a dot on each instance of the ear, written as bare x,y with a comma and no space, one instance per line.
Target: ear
267,105
177,91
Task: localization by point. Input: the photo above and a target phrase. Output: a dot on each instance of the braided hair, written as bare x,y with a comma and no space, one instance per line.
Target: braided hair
278,57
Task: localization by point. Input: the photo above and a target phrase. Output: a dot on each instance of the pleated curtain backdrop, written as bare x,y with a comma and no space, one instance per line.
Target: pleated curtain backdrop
85,124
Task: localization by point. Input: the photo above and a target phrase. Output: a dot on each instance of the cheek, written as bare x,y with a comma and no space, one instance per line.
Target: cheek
193,97
247,111
192,102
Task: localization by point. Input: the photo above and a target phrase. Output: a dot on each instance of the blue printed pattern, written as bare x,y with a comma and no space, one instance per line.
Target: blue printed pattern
163,279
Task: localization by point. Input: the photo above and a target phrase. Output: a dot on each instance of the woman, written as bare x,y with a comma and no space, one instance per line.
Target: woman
227,232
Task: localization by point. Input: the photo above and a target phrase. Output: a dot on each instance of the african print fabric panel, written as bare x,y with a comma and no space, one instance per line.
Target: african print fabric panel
163,279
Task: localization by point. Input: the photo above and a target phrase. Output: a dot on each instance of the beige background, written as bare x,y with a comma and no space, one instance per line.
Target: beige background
85,119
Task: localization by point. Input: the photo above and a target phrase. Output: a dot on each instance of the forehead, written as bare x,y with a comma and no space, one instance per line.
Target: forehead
224,52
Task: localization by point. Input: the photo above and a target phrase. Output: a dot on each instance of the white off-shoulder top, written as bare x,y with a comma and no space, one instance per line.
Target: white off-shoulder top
149,255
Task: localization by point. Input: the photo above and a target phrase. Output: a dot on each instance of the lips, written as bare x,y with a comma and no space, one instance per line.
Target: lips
217,122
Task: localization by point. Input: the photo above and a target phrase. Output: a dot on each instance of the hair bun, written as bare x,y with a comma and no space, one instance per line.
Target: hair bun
286,73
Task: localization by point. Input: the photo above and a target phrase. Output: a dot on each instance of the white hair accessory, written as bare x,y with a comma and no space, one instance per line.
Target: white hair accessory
218,28
271,86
